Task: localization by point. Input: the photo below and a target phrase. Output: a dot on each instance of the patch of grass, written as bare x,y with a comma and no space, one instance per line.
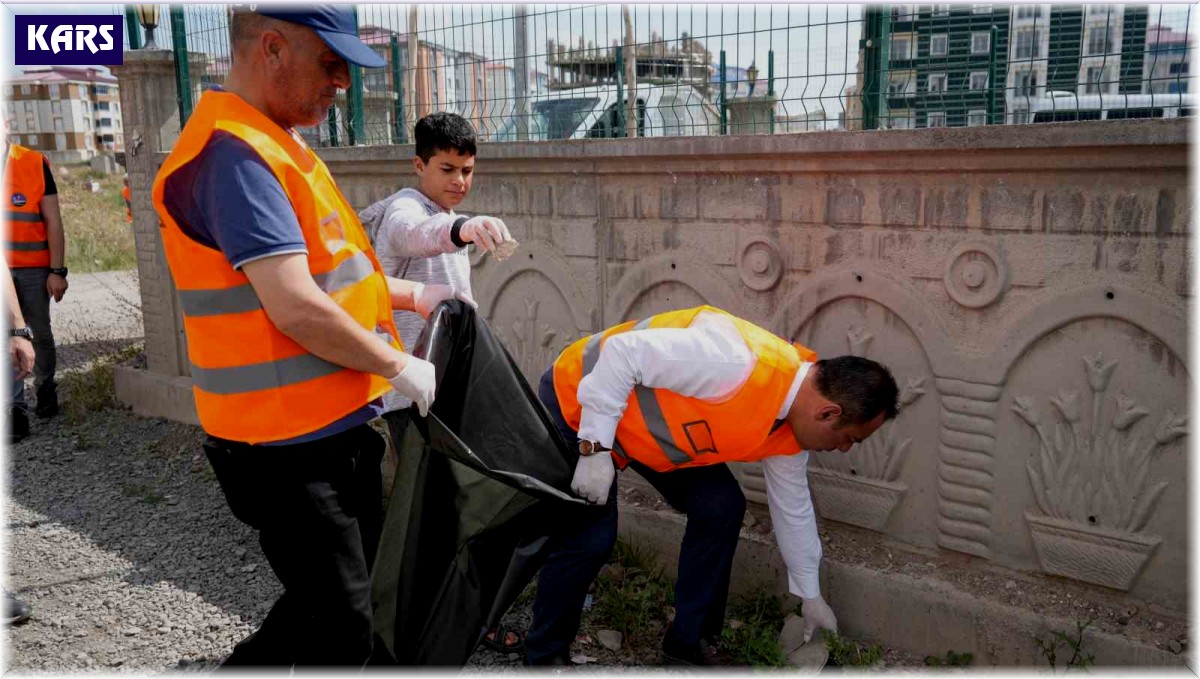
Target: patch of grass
98,237
143,493
951,659
751,634
632,597
93,389
1073,642
845,652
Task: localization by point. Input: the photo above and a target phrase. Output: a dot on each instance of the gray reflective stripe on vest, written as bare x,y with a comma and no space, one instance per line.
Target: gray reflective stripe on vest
26,245
14,216
260,376
647,401
242,298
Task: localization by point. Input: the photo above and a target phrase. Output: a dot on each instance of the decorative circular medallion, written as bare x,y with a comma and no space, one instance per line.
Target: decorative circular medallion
976,275
759,264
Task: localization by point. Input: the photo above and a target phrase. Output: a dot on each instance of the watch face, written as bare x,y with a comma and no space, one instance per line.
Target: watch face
585,448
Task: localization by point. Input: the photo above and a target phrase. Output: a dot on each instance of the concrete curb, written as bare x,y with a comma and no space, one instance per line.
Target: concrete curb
153,395
920,616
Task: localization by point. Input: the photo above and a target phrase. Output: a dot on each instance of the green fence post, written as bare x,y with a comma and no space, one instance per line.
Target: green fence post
354,97
399,135
183,76
991,98
771,90
333,128
132,26
620,131
721,97
875,54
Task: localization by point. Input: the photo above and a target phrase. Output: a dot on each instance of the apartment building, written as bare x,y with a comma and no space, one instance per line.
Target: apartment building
69,114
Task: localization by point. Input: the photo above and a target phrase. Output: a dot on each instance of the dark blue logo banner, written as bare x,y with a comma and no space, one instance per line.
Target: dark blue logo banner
62,39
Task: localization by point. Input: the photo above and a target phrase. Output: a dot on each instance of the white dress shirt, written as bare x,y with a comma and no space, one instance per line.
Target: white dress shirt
710,361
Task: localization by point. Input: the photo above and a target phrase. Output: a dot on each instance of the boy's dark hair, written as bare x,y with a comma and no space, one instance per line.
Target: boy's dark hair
862,387
444,131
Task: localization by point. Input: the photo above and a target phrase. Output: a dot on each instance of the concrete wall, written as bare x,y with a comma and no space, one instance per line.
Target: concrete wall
1027,286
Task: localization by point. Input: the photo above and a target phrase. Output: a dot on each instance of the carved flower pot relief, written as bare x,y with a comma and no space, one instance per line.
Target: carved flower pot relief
860,487
1091,481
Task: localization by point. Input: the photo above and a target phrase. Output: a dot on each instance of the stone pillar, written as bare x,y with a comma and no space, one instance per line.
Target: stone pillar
150,113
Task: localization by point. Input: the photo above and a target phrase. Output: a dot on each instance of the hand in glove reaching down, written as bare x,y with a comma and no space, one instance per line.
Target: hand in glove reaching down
485,232
427,297
417,380
816,614
593,477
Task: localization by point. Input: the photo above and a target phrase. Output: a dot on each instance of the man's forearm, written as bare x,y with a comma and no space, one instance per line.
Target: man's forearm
52,218
402,294
13,317
327,331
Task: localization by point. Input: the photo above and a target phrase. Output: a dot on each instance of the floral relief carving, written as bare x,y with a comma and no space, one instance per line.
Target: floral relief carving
534,343
862,487
1091,480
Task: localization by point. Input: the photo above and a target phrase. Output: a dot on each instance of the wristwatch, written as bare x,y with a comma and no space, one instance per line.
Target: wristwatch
59,272
21,332
587,448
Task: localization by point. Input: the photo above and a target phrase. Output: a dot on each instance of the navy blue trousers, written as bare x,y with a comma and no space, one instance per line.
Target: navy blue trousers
714,504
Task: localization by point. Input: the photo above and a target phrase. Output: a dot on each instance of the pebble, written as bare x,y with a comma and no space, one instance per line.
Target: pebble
1174,646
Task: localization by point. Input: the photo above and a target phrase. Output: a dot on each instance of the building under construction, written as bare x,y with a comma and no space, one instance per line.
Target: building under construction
685,61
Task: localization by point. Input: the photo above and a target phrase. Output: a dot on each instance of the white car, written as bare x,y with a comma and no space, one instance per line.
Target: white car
591,112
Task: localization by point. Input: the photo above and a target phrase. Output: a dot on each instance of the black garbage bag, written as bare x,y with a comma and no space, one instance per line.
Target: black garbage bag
480,485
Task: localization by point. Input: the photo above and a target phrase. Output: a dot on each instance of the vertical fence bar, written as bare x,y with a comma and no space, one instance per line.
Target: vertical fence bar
183,75
521,72
354,98
620,73
132,27
399,133
721,96
991,97
771,91
874,33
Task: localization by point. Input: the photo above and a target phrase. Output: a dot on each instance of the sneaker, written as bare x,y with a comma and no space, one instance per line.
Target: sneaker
15,610
706,653
47,401
18,423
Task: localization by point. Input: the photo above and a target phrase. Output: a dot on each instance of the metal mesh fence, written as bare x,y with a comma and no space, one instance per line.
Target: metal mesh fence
540,72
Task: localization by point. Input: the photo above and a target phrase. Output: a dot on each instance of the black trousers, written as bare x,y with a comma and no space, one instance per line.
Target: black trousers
318,509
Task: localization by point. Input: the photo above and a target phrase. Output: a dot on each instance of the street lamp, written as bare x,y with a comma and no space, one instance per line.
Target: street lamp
148,16
752,76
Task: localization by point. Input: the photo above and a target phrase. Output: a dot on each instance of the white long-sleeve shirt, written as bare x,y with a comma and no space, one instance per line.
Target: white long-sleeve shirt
413,243
708,360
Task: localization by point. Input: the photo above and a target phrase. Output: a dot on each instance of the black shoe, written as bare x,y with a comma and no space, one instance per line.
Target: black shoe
47,401
675,652
15,610
18,424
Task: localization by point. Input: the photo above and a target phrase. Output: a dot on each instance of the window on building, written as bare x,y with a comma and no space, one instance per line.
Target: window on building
899,120
11,108
60,142
58,125
902,82
102,105
1099,41
31,140
976,117
87,123
24,89
101,89
1029,11
56,107
904,12
1096,82
939,45
1100,10
1178,69
981,42
29,123
936,82
935,119
979,80
941,10
1028,44
902,47
1027,83
54,91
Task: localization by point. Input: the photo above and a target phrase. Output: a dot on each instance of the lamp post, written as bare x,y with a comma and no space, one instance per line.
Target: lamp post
148,16
752,76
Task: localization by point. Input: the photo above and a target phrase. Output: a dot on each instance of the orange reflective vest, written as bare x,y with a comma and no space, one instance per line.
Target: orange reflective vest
25,241
251,382
128,196
664,430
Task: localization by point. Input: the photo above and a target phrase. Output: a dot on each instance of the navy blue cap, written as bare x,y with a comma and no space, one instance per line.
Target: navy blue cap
332,23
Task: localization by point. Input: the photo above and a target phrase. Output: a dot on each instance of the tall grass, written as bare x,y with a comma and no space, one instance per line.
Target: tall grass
98,237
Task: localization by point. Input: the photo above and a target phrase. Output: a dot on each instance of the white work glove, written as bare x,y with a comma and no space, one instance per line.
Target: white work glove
593,477
418,381
427,297
484,232
816,614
